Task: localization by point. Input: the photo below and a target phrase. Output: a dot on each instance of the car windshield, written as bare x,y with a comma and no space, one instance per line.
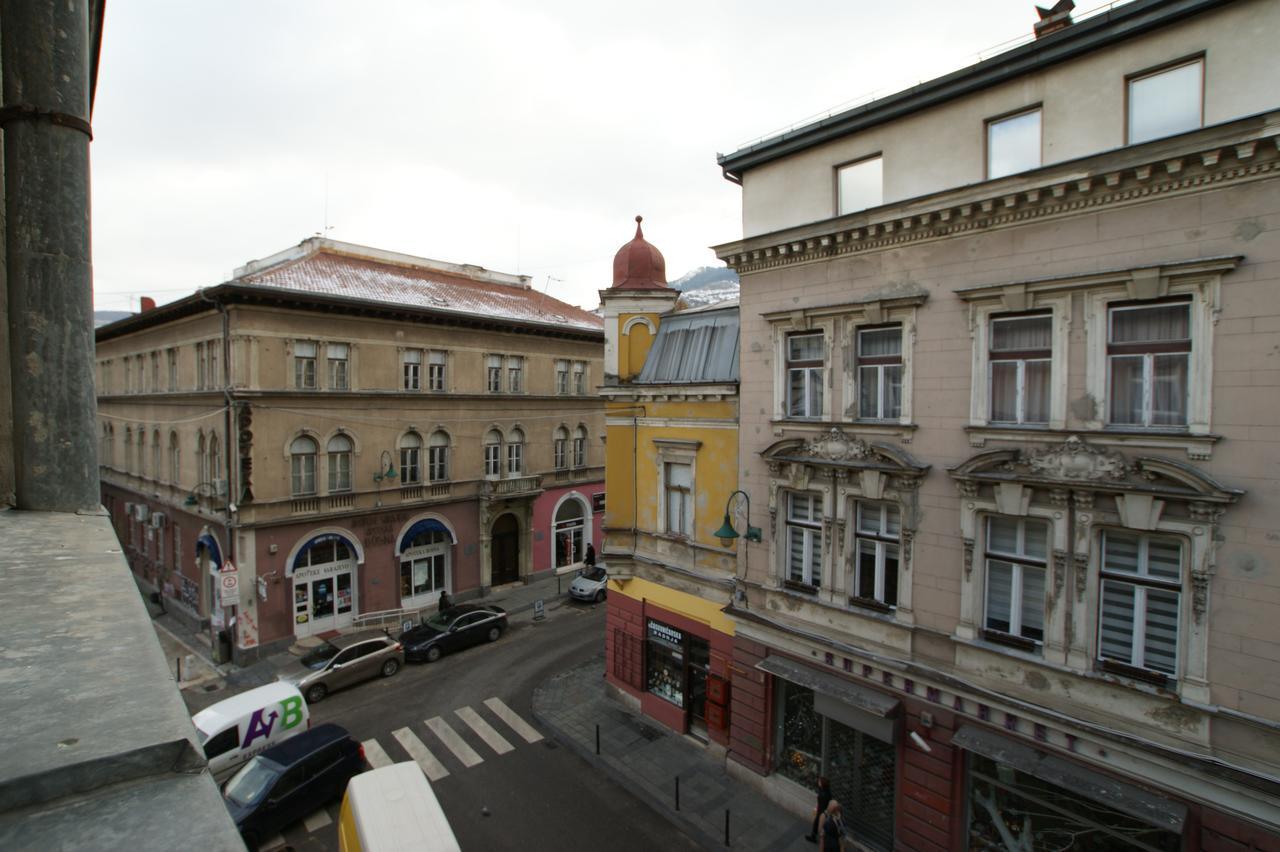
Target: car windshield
440,621
318,656
250,783
594,573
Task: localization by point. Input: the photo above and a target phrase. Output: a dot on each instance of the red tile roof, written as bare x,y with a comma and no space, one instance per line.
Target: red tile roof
329,273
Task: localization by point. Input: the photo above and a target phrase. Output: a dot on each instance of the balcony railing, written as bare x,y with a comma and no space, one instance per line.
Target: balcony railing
304,505
519,485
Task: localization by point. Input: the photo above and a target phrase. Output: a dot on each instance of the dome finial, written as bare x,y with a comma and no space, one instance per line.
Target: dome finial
639,219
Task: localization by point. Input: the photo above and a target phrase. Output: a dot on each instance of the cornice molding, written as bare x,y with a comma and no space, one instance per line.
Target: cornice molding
1065,191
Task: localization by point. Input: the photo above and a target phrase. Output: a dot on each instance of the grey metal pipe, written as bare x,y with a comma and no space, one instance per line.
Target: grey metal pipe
46,54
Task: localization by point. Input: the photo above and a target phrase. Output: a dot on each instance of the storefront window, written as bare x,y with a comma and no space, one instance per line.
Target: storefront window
665,661
1012,810
861,768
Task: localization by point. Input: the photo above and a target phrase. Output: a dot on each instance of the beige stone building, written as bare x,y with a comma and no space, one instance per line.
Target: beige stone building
354,431
1010,395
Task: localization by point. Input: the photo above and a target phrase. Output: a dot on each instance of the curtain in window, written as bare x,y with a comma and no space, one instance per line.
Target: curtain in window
1161,323
1032,610
1022,333
876,343
999,596
1169,390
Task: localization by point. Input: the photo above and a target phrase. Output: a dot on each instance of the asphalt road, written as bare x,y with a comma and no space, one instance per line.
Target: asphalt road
536,796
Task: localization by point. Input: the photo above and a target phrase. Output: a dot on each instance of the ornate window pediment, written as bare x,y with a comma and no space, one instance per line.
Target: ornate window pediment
836,449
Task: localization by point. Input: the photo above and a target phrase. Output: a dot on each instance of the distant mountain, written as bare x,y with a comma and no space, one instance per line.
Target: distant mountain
707,285
106,317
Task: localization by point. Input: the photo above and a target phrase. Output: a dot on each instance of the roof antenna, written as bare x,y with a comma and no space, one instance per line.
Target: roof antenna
327,226
546,286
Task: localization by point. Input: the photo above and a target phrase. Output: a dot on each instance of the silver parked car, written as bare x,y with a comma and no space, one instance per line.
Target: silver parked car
591,584
345,660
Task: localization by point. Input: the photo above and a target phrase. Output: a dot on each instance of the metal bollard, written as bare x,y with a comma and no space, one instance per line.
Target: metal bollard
178,661
597,739
677,792
726,826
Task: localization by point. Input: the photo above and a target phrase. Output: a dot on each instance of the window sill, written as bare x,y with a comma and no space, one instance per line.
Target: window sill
995,637
1144,676
871,604
887,428
1196,446
802,588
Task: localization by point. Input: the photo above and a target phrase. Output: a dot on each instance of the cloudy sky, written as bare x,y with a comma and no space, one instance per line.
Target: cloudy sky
519,136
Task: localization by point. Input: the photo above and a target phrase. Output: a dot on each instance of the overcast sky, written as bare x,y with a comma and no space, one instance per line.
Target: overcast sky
522,137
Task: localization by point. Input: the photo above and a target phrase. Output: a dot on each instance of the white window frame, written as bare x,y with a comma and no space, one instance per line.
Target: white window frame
981,315
492,454
562,377
493,373
880,415
304,365
515,453
677,501
411,369
337,357
338,463
515,374
438,458
411,458
579,378
1020,403
812,373
1020,561
1142,581
580,447
675,451
302,467
560,448
812,538
1148,381
882,541
437,370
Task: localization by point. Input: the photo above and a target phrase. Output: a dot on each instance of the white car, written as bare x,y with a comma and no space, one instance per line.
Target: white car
590,584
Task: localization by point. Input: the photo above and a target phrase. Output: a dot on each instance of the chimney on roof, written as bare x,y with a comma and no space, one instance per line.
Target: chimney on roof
1053,19
146,303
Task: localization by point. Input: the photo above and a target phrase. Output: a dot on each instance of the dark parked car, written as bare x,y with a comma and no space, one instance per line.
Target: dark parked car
289,781
452,630
342,661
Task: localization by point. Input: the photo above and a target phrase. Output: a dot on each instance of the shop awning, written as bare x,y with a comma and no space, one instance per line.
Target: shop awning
849,703
208,542
1126,798
426,525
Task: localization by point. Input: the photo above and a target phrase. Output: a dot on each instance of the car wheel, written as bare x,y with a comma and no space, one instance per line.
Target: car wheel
494,633
316,692
433,653
390,667
599,596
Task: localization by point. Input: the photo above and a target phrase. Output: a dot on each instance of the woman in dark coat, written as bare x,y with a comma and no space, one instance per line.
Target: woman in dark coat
824,798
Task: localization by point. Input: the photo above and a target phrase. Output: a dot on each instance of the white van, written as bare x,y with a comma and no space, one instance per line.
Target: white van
393,809
234,730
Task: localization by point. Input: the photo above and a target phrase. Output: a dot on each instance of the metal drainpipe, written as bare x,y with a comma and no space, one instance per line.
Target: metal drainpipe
46,56
231,449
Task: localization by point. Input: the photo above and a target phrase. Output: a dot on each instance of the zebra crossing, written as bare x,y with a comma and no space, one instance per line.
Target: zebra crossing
446,735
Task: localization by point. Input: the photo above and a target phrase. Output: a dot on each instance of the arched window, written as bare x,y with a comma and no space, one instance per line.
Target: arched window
302,454
438,457
515,453
411,459
339,464
216,471
128,449
175,460
424,567
200,458
111,444
493,453
141,457
156,471
560,445
580,447
569,531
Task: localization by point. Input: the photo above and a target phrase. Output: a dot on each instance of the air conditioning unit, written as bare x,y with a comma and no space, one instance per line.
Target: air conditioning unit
128,510
141,512
220,487
158,519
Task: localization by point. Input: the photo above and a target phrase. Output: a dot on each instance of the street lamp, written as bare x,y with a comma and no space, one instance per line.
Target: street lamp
727,533
193,499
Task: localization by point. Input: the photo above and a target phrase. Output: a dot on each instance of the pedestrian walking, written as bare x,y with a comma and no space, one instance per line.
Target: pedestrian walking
590,559
445,603
824,798
831,829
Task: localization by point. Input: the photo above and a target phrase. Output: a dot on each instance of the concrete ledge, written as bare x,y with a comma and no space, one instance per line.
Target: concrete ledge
91,714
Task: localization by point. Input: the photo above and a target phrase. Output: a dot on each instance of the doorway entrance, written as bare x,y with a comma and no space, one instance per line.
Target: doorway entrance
699,667
504,550
323,588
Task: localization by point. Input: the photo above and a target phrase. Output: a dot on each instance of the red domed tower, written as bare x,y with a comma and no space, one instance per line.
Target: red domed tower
633,307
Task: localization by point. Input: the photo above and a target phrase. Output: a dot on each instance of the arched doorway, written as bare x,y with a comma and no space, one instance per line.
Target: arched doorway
571,532
323,585
504,550
426,549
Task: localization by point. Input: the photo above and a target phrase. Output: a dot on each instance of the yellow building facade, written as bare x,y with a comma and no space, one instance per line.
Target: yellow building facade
671,458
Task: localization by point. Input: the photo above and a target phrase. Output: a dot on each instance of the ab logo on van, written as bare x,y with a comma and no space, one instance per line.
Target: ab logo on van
260,728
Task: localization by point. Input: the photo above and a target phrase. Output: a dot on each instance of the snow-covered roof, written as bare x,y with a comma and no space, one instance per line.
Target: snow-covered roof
327,268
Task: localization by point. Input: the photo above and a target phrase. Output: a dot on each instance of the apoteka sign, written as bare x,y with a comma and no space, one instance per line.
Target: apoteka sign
663,633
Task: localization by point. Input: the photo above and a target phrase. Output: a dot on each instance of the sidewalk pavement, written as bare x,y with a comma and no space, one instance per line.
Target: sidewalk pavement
204,682
646,759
